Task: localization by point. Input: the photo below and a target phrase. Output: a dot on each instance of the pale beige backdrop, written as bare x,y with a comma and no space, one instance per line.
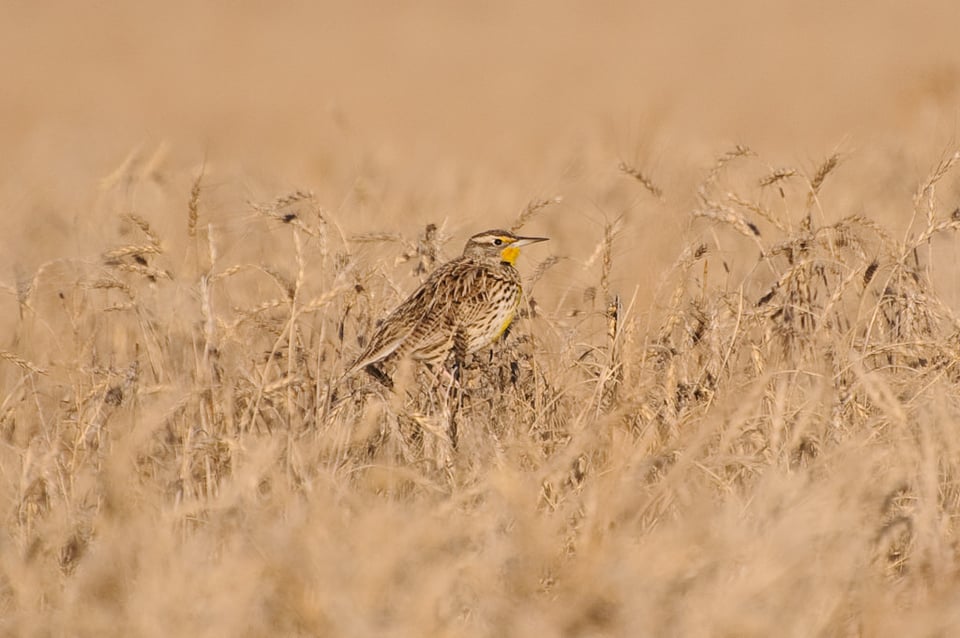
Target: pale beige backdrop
459,111
759,440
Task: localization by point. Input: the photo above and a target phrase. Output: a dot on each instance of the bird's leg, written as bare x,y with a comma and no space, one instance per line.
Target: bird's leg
459,350
453,407
451,400
455,388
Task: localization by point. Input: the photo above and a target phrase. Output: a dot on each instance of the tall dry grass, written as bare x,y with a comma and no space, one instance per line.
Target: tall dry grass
765,445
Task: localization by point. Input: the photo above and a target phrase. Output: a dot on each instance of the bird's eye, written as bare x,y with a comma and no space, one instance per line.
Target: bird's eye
498,242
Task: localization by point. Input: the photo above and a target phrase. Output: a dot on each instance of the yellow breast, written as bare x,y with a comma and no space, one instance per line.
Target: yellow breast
506,323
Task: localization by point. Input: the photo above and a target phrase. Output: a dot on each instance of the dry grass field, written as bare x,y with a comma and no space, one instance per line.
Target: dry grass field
730,405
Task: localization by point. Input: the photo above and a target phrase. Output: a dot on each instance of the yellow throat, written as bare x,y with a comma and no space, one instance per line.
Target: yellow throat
510,254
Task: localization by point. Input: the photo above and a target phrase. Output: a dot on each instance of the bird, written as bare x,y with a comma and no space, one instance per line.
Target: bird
464,305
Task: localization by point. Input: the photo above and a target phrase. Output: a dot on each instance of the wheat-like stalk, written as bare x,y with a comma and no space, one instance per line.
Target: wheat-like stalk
823,170
193,205
20,362
777,175
642,178
532,208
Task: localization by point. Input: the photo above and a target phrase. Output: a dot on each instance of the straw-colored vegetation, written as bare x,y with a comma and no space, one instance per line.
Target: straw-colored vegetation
730,402
770,448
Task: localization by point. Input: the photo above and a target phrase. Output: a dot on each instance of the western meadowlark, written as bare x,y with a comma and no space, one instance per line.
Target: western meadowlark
465,304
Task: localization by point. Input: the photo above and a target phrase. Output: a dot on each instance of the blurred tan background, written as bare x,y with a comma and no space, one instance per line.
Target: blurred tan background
765,446
456,108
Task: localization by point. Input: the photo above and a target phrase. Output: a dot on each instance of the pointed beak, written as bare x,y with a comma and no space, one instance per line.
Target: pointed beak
526,241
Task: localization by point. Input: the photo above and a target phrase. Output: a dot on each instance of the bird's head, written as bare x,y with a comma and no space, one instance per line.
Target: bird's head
499,245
